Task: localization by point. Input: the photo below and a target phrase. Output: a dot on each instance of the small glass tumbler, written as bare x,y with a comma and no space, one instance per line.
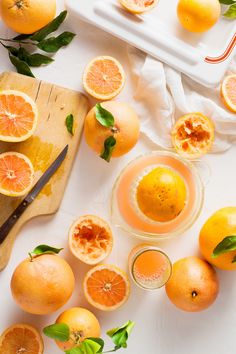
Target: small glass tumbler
150,268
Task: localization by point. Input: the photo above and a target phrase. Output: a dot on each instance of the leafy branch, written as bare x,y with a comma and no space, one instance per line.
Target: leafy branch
61,332
231,11
23,59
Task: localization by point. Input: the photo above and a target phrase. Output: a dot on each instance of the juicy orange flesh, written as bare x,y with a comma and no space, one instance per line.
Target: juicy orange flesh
231,90
15,173
104,77
106,287
90,240
140,3
193,133
16,116
20,340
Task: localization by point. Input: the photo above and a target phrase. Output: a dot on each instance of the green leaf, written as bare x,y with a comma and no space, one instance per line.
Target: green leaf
228,244
51,27
120,335
103,116
14,51
76,350
45,249
53,44
45,31
58,331
70,123
88,346
109,145
227,2
36,60
100,341
231,12
21,66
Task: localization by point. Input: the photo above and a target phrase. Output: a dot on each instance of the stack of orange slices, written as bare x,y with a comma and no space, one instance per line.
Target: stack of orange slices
18,121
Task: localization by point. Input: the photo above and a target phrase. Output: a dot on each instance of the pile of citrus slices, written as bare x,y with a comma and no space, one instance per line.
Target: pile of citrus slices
18,122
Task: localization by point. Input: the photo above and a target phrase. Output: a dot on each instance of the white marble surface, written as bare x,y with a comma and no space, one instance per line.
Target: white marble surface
160,327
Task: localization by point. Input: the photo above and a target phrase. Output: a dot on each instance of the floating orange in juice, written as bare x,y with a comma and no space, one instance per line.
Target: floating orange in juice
150,268
158,195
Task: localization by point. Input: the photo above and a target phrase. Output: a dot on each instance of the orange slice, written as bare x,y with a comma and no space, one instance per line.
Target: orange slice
90,239
21,339
106,287
18,116
228,92
16,174
104,78
138,6
193,135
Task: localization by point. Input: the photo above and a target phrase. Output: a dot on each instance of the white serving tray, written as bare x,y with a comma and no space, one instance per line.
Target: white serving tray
204,57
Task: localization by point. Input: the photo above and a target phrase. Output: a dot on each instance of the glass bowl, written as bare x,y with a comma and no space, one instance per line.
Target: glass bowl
125,215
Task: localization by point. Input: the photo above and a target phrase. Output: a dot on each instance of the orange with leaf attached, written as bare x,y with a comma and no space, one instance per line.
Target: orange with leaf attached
125,129
216,232
42,284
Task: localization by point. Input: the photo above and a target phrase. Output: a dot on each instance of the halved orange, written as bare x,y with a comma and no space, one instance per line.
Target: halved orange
138,6
21,339
18,116
90,239
193,135
16,174
228,92
106,287
104,78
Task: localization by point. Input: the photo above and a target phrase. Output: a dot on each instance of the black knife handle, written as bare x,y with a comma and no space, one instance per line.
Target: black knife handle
12,220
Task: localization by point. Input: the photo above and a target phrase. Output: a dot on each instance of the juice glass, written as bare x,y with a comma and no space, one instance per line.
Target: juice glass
150,268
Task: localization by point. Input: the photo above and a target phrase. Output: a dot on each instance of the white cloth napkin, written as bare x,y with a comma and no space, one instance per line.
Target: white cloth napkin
162,95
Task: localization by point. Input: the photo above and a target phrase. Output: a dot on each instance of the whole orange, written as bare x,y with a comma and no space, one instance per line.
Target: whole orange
43,285
27,16
161,194
125,131
198,15
82,324
193,285
220,225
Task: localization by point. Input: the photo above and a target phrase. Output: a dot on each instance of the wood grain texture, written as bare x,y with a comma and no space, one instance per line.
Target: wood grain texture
54,104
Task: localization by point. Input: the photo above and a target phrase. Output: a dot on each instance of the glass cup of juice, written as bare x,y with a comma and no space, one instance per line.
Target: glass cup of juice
150,268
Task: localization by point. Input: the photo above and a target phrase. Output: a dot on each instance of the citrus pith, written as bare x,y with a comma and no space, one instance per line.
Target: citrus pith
21,338
18,116
16,174
193,135
138,6
106,287
104,78
228,92
90,239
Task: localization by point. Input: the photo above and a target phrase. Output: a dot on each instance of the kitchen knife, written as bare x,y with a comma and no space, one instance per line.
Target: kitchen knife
14,217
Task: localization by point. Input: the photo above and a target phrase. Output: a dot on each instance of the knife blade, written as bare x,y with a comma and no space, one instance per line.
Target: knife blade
43,180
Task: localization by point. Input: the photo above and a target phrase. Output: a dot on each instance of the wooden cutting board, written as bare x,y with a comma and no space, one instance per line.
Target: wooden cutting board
54,104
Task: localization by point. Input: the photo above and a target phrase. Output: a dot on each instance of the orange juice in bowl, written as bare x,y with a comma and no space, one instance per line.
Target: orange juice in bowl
157,196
